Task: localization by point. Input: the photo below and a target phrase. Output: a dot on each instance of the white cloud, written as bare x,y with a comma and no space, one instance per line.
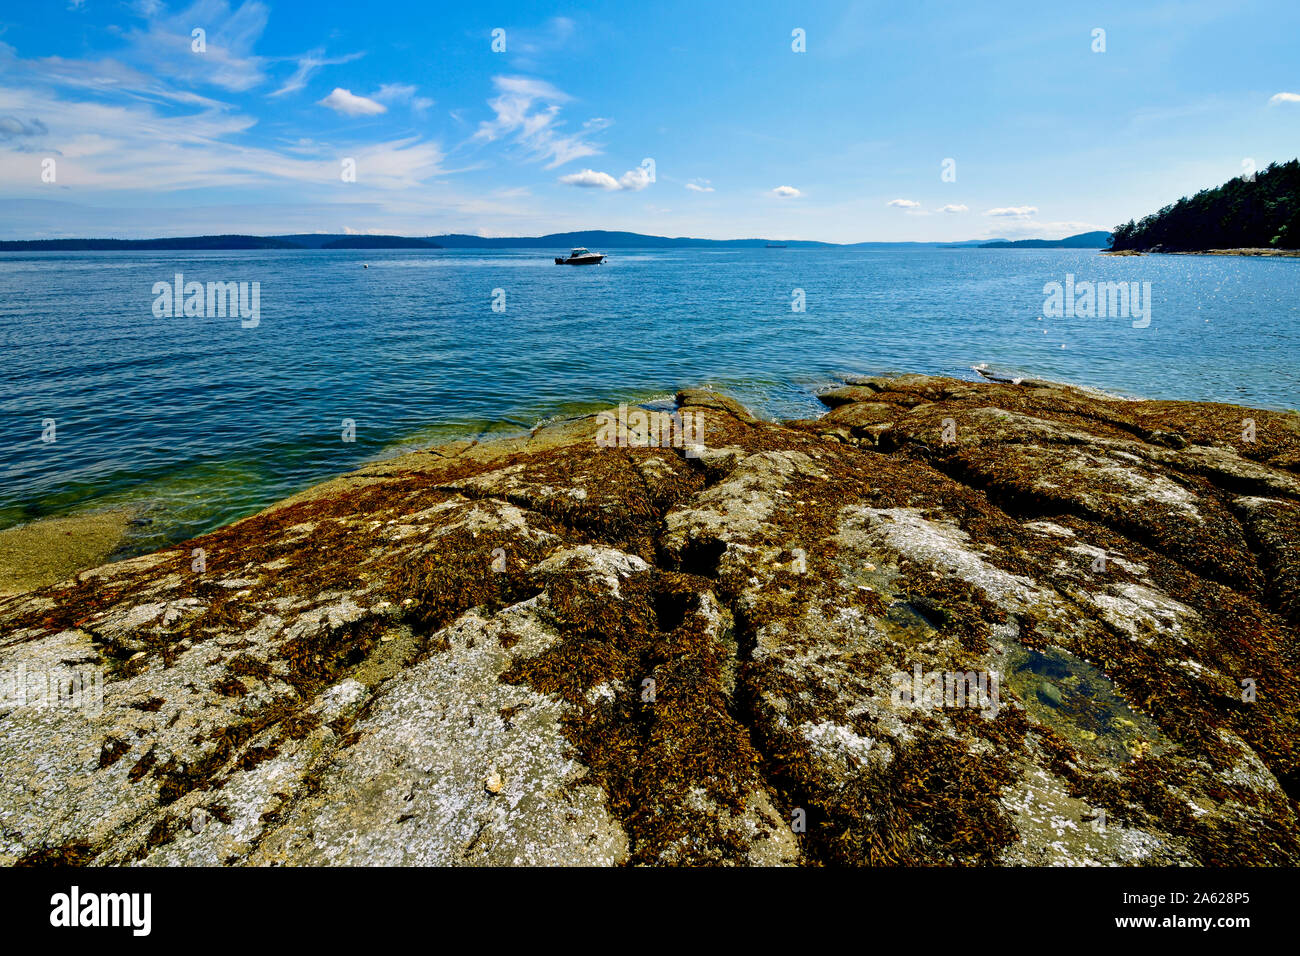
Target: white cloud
637,179
954,207
903,203
634,180
786,192
1284,98
590,179
528,109
700,186
348,103
1013,212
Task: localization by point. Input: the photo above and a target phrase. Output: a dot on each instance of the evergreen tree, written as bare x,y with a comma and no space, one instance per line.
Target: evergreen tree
1239,214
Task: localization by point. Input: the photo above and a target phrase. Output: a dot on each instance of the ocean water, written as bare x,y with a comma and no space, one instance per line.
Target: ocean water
197,421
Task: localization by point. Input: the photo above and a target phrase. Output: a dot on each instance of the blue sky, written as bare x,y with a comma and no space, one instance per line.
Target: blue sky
844,142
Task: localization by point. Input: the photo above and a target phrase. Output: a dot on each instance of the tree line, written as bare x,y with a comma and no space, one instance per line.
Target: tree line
1242,213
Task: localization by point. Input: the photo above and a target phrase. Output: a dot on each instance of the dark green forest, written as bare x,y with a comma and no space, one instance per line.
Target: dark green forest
1237,215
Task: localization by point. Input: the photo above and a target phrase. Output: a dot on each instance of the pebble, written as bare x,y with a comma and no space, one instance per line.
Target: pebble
492,783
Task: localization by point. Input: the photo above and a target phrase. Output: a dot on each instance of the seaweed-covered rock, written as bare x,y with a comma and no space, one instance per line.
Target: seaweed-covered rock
946,622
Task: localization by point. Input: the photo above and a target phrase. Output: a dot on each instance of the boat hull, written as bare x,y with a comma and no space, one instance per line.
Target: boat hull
583,261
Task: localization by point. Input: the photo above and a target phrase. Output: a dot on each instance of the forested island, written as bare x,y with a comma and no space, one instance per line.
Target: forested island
1262,212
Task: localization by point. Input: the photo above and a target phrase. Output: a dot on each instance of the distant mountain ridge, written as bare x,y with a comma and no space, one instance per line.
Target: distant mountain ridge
125,245
1084,240
200,243
601,239
597,239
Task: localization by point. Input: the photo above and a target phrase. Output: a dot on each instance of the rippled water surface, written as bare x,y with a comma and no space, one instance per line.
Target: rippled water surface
199,421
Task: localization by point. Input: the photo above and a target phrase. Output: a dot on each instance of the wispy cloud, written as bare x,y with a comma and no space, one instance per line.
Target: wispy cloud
954,207
106,77
308,64
700,186
527,111
163,50
350,104
227,60
786,192
101,146
12,128
903,203
527,48
402,93
1284,98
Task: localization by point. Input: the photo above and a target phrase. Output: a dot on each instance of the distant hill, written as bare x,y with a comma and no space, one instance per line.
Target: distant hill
125,245
380,242
1084,240
199,243
1237,215
598,240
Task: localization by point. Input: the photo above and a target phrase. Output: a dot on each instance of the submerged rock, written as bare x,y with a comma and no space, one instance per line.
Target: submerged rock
1049,695
946,622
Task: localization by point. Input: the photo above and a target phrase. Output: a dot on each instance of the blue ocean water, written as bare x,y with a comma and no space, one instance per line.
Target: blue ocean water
199,420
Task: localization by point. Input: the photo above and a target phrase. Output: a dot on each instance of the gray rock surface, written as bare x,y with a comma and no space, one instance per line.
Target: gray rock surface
946,622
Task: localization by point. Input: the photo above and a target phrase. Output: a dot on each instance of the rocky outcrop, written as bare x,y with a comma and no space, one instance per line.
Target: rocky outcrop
943,623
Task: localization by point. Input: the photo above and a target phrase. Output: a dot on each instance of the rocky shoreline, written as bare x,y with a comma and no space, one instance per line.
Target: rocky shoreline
1266,253
545,650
